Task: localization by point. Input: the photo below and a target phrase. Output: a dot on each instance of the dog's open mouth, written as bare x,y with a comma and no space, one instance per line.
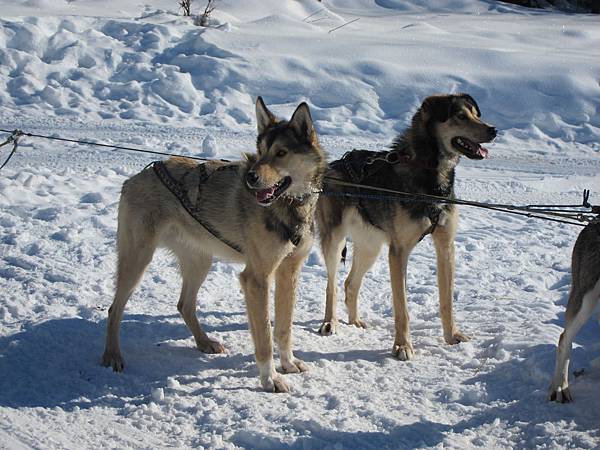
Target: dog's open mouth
469,148
268,195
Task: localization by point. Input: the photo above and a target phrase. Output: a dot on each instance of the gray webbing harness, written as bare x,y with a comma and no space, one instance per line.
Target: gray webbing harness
180,192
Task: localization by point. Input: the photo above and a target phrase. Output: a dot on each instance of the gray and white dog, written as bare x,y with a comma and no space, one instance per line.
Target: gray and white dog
259,212
583,299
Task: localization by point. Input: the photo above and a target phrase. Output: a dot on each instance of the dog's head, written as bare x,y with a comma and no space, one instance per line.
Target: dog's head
289,161
455,120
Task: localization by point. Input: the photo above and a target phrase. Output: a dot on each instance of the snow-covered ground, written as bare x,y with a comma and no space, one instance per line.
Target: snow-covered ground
139,74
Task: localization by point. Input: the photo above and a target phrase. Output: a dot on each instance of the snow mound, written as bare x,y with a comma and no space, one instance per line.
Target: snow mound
367,77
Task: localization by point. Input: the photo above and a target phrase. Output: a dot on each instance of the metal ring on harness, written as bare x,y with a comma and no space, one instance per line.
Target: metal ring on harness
391,157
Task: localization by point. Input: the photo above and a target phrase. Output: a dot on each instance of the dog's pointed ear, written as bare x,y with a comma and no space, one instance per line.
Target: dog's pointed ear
264,117
301,122
437,107
471,101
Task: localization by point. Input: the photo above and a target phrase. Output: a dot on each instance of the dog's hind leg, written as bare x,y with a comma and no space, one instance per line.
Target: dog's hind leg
332,244
194,268
286,281
364,253
443,239
136,245
574,320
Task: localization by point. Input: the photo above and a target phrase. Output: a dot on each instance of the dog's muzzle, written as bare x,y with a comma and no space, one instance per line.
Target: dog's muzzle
266,195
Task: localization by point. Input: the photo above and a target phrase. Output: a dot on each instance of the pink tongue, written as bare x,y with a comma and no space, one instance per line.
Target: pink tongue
264,194
482,151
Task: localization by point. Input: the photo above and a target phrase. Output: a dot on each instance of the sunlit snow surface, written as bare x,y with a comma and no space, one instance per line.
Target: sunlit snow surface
118,72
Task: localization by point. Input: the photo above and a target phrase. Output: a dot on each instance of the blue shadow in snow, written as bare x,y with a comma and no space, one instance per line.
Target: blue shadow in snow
57,362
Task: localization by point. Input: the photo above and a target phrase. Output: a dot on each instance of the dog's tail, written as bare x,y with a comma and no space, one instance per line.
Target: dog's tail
344,251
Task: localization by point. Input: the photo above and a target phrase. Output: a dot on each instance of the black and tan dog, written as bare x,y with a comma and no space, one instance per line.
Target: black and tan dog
259,212
422,160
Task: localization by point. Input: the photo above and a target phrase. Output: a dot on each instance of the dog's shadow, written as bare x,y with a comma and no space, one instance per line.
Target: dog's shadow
57,362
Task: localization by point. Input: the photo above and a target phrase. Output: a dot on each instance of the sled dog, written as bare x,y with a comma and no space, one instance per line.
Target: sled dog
259,212
422,160
583,299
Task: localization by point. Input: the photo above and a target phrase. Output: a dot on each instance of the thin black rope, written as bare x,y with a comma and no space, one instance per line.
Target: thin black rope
118,147
397,195
439,199
402,198
434,199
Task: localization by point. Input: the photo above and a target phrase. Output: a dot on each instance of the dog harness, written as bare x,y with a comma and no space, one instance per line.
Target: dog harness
359,165
178,189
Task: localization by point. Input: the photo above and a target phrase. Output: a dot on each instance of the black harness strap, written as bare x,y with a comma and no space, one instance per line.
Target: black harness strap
435,219
179,191
293,237
361,164
358,165
285,232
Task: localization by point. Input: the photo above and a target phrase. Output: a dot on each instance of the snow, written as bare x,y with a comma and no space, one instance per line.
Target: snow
118,72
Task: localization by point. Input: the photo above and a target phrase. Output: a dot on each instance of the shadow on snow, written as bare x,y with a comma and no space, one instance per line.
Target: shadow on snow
57,362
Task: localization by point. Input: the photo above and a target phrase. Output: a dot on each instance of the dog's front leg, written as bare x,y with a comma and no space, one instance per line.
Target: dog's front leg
443,238
286,282
256,291
398,258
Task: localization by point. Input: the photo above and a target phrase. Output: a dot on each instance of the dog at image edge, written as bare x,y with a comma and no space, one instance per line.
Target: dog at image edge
583,300
261,213
422,160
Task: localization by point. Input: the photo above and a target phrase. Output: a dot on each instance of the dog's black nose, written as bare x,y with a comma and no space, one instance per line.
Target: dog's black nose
492,132
251,178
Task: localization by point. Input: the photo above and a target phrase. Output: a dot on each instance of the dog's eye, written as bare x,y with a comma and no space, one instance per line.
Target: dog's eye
461,115
281,153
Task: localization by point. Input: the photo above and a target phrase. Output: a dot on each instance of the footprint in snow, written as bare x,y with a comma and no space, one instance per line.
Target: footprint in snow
91,197
19,262
62,236
47,214
57,278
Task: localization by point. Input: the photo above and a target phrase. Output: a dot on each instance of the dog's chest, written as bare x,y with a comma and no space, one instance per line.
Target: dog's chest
290,223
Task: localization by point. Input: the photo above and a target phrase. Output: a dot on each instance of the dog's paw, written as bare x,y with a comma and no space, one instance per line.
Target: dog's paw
114,360
357,323
210,346
328,328
294,366
404,352
275,383
558,394
457,337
